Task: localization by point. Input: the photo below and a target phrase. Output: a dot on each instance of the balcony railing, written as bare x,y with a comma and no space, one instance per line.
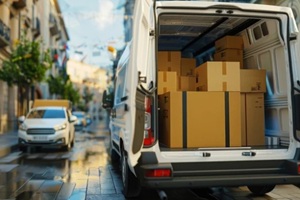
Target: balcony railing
53,25
4,35
19,4
36,27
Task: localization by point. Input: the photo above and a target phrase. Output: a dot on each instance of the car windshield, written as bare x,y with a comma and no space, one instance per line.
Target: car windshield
47,114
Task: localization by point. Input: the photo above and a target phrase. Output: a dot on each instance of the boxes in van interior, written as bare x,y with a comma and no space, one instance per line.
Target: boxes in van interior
253,119
200,119
229,42
167,81
218,76
186,83
230,55
169,61
253,80
187,66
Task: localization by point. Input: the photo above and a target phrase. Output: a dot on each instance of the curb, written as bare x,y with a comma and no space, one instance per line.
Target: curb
8,149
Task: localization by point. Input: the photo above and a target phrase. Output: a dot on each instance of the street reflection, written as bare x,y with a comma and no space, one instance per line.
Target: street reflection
46,171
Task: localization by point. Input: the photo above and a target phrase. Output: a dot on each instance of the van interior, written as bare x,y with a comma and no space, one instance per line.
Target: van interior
195,36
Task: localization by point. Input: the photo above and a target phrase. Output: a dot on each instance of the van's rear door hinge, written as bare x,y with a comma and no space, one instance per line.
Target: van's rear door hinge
152,32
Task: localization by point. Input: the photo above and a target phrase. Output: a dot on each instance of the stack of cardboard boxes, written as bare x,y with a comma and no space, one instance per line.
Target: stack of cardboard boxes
214,105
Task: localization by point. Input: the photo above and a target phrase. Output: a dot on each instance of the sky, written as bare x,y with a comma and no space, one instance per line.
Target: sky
93,25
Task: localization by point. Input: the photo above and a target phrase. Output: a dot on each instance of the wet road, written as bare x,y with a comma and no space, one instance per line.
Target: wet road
85,172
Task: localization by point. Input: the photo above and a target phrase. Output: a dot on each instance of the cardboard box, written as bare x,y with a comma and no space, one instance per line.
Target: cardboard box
218,76
229,42
169,61
186,83
230,55
187,66
253,119
253,80
167,81
200,119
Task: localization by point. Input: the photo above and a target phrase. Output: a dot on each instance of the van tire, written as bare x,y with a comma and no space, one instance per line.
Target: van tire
131,185
261,190
114,157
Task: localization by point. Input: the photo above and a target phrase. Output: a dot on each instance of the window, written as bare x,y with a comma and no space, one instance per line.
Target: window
264,29
47,114
260,31
257,33
120,84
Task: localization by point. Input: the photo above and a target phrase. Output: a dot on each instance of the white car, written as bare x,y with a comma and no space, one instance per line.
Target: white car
47,126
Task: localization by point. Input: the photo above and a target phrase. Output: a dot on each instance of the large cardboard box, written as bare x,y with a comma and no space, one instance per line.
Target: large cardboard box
218,76
253,80
253,119
187,66
230,55
200,119
169,61
167,81
229,42
186,83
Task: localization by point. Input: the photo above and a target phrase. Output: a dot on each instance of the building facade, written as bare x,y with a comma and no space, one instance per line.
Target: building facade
93,78
41,19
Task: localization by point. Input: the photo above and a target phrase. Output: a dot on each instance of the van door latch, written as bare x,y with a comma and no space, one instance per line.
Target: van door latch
206,154
248,153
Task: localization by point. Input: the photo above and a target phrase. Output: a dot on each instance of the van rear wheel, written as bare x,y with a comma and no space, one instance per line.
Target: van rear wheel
261,190
131,185
114,157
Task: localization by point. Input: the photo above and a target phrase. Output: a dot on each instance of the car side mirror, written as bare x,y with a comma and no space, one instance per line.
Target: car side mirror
73,118
21,119
107,100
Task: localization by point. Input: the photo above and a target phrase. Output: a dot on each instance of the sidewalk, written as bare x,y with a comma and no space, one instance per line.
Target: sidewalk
8,142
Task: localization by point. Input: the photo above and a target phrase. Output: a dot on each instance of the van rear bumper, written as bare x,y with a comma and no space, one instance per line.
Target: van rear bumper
220,181
218,174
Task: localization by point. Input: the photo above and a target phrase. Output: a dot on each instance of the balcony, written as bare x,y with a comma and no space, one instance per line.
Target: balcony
59,36
19,4
53,25
4,35
36,27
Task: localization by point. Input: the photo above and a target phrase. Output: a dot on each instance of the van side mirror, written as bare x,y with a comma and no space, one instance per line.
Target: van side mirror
73,118
107,100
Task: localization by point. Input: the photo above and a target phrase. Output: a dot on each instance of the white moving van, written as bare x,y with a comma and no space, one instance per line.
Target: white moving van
196,147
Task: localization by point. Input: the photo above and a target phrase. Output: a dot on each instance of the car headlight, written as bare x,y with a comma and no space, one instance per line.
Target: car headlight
61,127
23,127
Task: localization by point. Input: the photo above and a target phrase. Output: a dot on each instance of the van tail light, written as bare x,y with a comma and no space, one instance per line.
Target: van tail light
156,173
149,137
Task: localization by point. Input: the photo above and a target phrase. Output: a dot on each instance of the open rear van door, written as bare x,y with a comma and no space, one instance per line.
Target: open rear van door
139,70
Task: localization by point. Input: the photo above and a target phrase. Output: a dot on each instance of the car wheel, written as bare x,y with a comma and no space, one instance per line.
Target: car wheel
23,149
131,185
72,143
67,147
261,190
